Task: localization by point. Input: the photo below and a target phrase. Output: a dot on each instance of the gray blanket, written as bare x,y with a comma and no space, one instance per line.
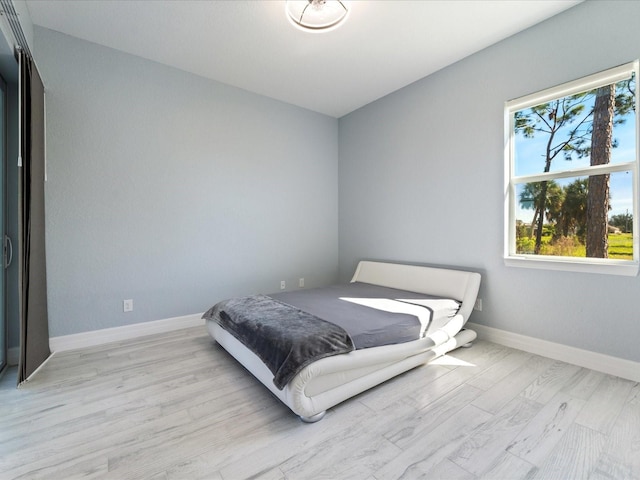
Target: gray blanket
285,338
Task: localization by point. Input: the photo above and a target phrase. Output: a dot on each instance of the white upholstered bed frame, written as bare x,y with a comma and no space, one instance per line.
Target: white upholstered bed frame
331,380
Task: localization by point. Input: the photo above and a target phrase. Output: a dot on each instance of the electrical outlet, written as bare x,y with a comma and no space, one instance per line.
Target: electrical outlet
301,283
478,305
283,285
127,305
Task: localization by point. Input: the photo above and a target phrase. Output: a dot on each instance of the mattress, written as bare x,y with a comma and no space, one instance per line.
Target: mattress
374,315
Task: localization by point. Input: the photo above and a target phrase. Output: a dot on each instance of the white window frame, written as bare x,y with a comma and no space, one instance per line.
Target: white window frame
574,264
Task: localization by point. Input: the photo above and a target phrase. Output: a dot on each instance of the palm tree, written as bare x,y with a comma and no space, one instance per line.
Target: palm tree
546,198
529,200
574,210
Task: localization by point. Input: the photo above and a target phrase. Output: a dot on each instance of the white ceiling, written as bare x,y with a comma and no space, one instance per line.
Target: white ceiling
383,46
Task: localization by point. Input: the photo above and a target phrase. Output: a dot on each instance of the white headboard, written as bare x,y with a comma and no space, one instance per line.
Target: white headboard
441,282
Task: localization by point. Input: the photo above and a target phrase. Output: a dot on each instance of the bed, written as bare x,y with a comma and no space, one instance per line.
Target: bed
316,385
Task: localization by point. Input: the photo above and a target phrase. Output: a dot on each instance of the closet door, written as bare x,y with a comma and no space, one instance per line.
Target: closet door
34,326
6,242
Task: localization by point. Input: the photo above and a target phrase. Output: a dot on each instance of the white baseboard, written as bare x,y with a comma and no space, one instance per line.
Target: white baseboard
116,334
584,358
576,356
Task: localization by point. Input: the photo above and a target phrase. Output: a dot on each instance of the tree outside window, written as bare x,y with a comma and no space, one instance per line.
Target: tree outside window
572,171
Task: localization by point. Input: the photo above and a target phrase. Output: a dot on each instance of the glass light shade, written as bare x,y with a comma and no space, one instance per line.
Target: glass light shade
316,15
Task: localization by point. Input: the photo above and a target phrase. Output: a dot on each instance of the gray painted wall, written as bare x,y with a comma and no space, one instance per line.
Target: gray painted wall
175,191
422,171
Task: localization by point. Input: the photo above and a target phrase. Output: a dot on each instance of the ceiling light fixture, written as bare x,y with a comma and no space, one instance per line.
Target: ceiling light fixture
316,15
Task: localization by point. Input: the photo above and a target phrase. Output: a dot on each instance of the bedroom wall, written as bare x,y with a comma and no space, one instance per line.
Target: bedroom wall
175,191
421,179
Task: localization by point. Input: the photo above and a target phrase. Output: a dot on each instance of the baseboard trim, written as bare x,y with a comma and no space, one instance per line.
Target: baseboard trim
584,358
126,332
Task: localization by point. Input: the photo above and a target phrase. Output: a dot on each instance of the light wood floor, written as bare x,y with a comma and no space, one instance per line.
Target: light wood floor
176,405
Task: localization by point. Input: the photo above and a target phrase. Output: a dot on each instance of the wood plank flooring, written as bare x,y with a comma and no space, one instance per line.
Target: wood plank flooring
177,406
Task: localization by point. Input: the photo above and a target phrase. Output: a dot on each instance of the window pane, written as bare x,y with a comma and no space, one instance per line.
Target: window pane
559,135
575,223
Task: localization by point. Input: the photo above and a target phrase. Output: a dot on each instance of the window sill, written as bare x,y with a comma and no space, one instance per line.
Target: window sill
608,267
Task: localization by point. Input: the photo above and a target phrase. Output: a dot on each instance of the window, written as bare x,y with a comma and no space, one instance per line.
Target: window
571,163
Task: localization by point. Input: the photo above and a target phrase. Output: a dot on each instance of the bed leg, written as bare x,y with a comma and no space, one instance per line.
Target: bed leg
313,418
465,338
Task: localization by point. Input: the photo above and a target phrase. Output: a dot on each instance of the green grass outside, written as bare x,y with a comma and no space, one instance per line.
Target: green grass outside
620,246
